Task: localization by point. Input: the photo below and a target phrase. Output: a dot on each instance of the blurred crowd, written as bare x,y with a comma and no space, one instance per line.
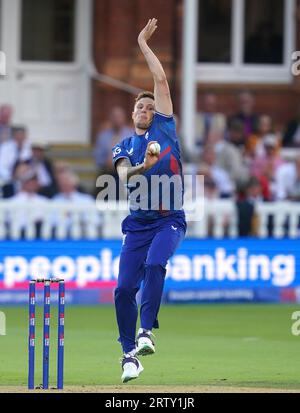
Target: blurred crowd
29,177
26,173
234,153
241,157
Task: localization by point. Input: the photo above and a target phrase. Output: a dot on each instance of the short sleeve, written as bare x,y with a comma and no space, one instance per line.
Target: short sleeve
119,152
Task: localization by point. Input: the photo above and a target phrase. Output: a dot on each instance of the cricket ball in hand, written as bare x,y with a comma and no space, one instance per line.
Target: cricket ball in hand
154,148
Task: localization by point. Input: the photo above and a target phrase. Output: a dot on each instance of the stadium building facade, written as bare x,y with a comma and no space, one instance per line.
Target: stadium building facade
58,52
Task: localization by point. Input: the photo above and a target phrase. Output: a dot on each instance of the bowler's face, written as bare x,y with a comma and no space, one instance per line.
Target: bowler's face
143,113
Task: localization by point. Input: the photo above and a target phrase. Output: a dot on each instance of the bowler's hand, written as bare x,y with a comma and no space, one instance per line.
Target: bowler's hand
150,159
147,31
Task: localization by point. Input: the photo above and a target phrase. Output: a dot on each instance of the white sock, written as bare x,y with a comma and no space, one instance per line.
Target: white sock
132,353
143,330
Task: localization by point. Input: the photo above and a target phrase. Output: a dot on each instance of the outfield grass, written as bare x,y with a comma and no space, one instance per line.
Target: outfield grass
221,345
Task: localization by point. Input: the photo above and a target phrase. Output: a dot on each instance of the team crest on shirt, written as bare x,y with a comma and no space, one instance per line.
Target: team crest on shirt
117,151
147,136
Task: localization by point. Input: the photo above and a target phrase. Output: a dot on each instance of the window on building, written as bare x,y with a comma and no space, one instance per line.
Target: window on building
48,30
214,31
264,32
245,40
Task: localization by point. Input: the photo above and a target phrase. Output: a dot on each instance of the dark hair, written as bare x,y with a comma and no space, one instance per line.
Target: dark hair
17,129
253,181
18,163
236,125
144,94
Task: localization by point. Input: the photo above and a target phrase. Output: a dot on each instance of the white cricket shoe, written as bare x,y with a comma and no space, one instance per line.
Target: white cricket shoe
144,344
132,368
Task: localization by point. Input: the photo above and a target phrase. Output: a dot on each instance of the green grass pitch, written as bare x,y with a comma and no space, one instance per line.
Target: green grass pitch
219,345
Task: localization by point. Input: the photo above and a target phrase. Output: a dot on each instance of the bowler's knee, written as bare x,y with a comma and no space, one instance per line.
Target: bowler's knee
125,291
156,268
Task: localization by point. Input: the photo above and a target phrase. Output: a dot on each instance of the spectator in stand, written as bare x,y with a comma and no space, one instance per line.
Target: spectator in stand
254,144
61,167
246,113
13,151
28,196
229,158
212,181
6,113
215,174
68,184
204,184
287,181
247,220
291,136
236,135
209,120
44,169
108,138
265,166
14,186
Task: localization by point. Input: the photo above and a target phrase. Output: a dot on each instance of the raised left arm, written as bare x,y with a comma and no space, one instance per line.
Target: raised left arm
162,96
